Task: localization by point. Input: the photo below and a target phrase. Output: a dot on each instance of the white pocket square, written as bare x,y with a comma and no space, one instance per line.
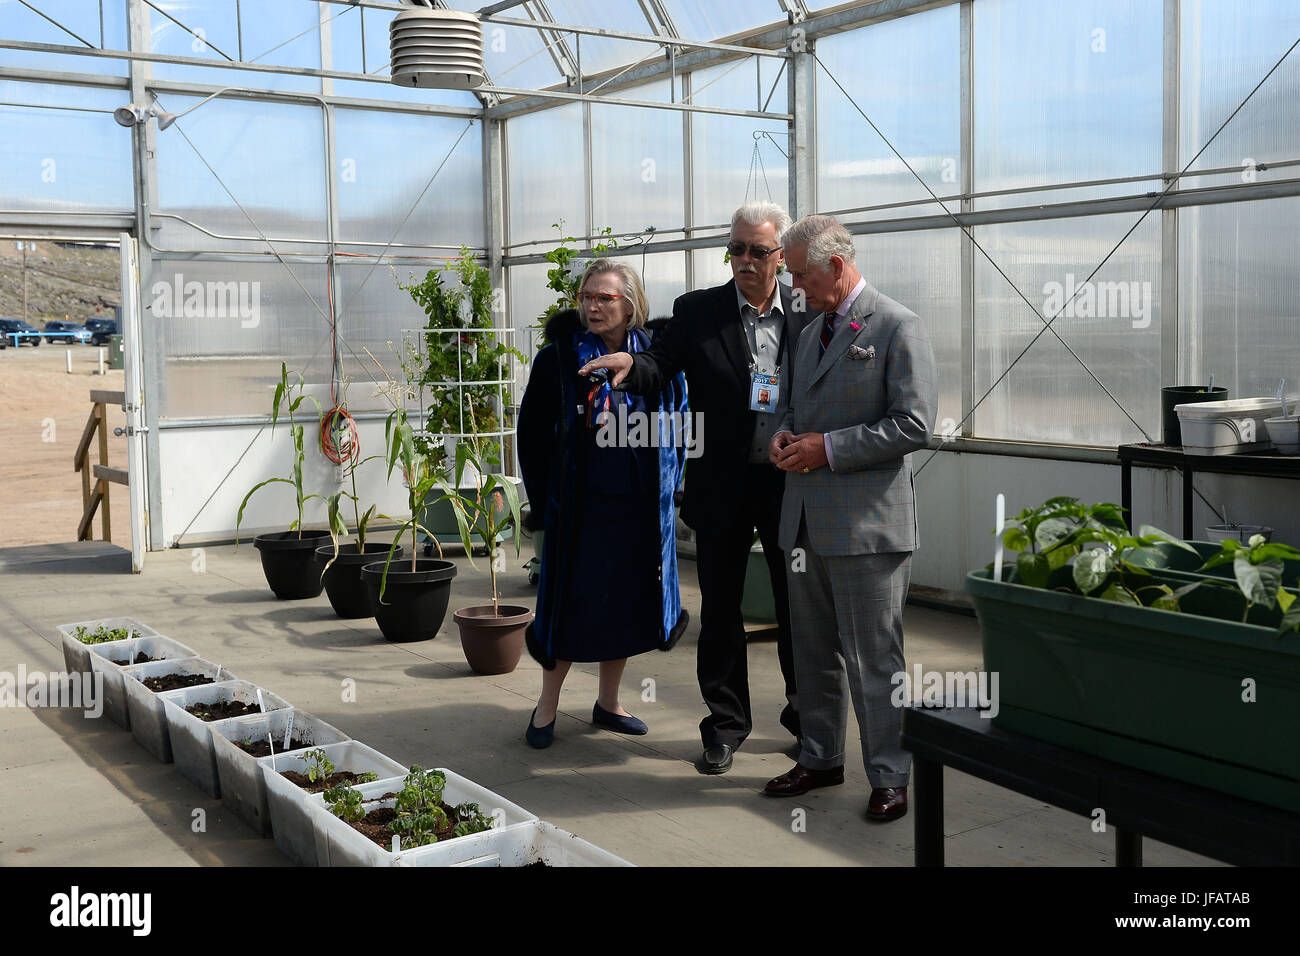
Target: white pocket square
858,354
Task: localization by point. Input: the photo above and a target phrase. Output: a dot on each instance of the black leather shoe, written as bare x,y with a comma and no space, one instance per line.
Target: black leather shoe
887,803
717,758
618,723
540,737
801,779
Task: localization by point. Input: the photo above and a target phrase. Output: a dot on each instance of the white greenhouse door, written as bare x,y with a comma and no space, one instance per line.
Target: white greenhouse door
134,404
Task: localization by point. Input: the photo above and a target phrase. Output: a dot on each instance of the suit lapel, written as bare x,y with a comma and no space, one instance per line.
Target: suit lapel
861,309
732,332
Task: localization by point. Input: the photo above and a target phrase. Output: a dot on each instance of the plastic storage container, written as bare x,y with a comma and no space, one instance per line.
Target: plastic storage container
239,776
337,844
291,820
110,659
1284,433
191,738
1226,428
76,655
526,845
147,716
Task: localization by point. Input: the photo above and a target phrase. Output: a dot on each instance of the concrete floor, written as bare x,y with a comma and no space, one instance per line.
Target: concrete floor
81,792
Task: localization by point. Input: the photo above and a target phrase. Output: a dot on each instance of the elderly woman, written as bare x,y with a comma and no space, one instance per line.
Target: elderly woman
608,586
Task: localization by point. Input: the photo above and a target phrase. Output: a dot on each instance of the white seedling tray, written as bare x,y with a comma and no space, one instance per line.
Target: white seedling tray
337,844
239,776
76,655
1228,427
527,845
148,718
191,738
111,658
291,821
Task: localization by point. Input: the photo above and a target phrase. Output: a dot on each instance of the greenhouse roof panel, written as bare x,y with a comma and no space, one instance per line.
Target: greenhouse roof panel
722,18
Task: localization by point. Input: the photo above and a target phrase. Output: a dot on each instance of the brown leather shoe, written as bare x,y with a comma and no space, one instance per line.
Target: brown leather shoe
801,780
887,803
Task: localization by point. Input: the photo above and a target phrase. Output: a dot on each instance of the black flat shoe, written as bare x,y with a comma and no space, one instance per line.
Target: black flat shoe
539,737
717,758
617,722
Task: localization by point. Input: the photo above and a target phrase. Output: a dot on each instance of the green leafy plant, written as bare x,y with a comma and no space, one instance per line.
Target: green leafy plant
320,766
334,506
101,634
487,511
285,397
1257,569
560,278
346,804
422,814
463,359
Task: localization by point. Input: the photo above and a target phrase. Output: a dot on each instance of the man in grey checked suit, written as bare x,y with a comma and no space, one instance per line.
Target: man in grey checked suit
863,396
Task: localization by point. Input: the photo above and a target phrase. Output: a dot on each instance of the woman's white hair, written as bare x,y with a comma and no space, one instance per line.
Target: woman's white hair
757,213
632,289
822,237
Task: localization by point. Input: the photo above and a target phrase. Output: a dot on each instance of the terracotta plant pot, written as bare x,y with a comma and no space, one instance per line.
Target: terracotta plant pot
493,641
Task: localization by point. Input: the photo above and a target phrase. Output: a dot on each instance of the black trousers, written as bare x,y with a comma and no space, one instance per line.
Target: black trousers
722,665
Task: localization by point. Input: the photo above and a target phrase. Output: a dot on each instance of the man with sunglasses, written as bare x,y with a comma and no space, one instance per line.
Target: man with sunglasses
735,343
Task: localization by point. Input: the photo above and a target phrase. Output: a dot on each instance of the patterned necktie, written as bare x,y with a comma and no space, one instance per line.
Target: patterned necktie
828,330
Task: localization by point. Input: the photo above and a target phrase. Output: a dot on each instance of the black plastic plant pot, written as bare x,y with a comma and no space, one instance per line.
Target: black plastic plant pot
343,585
290,563
1171,395
415,602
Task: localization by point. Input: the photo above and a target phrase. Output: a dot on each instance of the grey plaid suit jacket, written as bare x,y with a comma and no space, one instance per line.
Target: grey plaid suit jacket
876,408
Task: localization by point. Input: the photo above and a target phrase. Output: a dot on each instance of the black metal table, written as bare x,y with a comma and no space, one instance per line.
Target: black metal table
1264,464
1137,804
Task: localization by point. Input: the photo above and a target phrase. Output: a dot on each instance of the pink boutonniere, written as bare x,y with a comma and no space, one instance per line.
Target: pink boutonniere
855,327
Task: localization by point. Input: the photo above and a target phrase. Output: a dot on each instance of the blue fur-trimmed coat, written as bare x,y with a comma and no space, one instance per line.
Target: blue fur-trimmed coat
551,416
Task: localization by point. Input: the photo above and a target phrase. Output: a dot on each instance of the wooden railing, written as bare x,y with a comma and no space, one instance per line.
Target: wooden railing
91,499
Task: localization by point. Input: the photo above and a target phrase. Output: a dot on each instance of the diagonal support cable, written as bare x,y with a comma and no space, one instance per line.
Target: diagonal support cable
310,29
188,30
57,23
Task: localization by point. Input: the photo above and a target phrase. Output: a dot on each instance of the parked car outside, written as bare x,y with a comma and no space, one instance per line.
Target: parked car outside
66,331
101,329
16,332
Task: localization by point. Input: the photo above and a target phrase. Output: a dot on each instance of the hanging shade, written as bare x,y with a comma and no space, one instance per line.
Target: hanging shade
436,49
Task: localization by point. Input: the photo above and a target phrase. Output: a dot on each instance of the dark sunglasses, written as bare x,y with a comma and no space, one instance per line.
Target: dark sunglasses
737,249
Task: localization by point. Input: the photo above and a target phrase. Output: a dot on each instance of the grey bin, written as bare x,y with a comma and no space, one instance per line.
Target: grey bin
112,658
191,738
239,775
76,655
147,717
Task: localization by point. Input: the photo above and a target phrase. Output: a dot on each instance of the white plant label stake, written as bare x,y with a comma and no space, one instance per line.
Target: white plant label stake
288,732
397,842
261,705
272,743
1001,520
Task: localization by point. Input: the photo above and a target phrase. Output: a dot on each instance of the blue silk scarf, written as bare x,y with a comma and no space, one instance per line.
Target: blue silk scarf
600,396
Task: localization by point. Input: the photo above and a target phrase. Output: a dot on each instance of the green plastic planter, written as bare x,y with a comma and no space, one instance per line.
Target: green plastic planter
1149,688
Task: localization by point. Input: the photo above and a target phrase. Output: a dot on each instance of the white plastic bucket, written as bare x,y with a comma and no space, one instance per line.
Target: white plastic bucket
528,845
110,659
191,738
239,775
148,718
1228,427
76,655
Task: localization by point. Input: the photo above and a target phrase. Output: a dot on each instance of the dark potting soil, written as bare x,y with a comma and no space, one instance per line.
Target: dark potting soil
140,658
223,709
262,748
375,826
175,682
336,779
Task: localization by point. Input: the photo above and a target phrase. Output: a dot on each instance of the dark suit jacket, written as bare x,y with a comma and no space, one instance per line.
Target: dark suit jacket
706,339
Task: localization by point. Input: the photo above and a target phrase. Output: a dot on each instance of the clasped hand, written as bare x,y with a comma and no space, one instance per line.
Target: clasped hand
802,453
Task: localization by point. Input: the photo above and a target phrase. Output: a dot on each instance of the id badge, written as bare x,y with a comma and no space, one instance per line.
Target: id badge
764,392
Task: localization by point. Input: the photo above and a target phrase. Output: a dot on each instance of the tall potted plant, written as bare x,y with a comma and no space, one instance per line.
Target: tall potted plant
491,635
409,599
289,558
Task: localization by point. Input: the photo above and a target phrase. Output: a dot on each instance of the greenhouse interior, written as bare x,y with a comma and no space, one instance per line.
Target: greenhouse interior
916,376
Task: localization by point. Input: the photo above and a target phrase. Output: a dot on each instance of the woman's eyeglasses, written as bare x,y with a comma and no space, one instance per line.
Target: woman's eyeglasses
586,300
737,249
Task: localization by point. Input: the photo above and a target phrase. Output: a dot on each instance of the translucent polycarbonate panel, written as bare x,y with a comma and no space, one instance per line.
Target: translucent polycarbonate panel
754,83
518,57
664,276
1066,92
268,158
912,93
544,173
636,158
596,53
1112,322
529,298
711,267
78,24
223,328
722,18
64,160
1228,48
922,271
435,199
730,164
278,34
350,55
1237,300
